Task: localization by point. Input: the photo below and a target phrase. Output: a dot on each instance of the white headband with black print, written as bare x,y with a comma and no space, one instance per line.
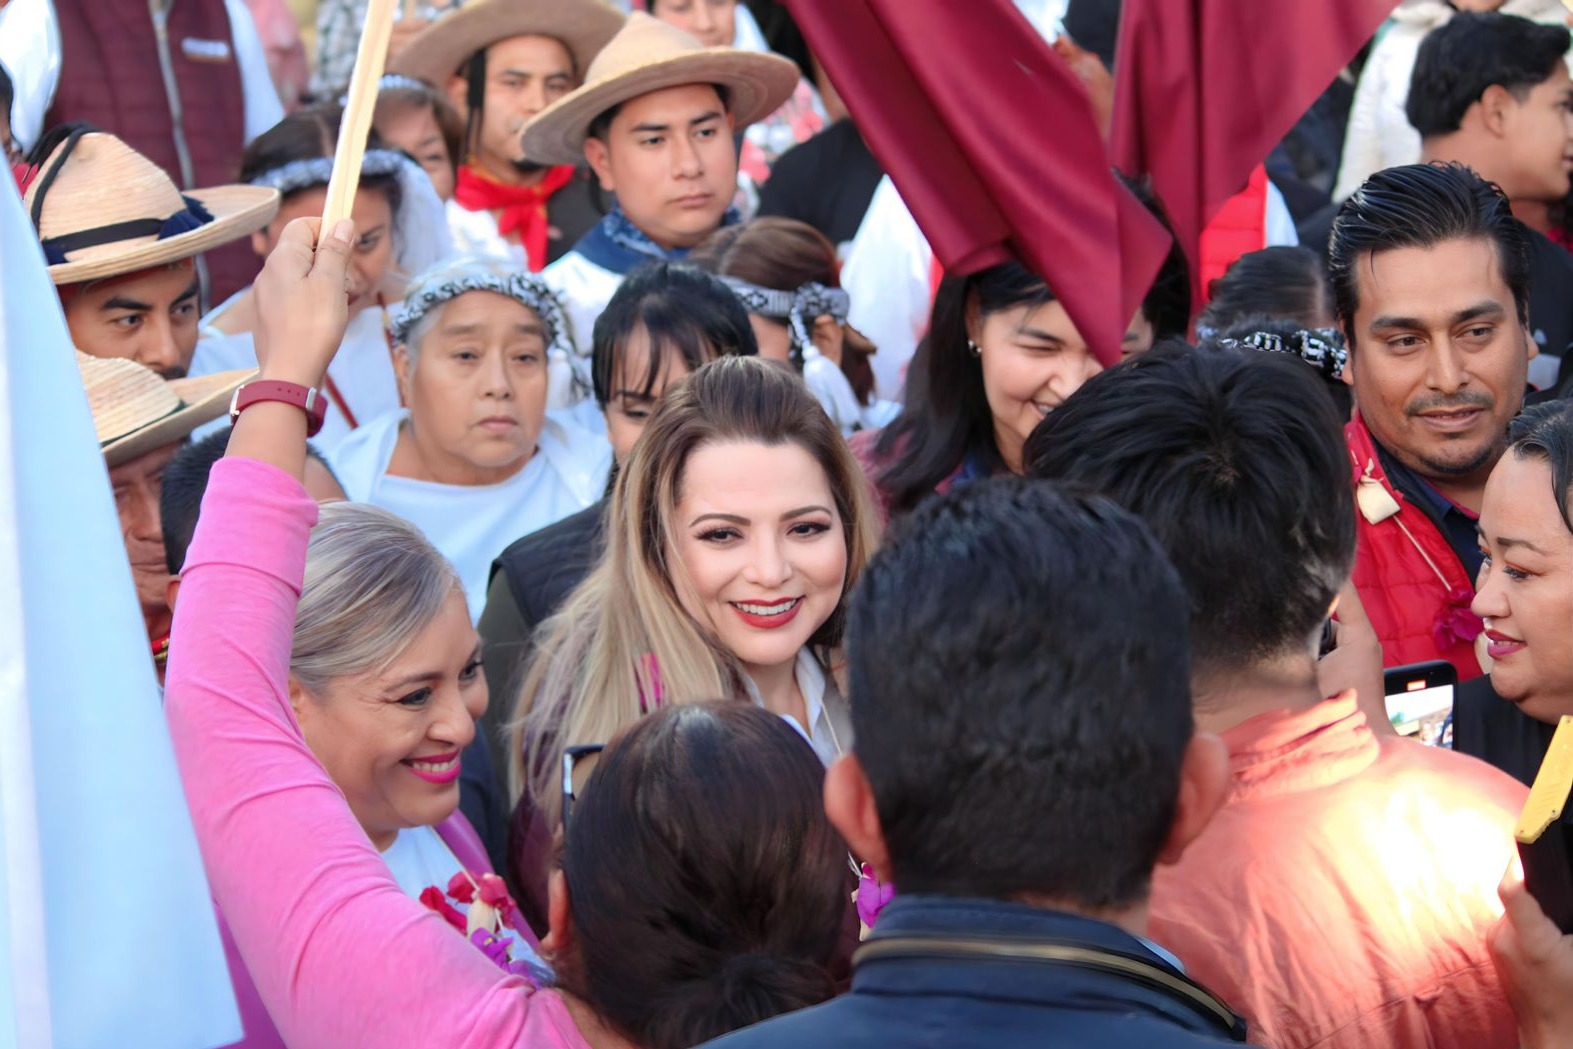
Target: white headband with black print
795,307
395,82
1322,348
524,288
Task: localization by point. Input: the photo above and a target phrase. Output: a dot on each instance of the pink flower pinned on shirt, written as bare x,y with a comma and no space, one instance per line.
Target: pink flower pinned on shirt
1456,623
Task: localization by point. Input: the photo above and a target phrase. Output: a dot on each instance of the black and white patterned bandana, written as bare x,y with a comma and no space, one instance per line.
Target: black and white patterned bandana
318,171
797,307
1322,348
524,288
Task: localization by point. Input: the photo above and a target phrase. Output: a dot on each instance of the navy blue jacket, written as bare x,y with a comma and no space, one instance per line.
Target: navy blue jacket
949,973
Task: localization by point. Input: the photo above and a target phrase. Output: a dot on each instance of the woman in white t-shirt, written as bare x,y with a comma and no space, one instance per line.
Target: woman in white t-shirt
475,461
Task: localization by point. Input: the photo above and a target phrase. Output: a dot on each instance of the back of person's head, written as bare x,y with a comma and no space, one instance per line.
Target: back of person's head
1019,659
706,887
680,309
591,673
1237,462
180,496
373,582
947,418
1471,52
1421,206
1545,432
1284,283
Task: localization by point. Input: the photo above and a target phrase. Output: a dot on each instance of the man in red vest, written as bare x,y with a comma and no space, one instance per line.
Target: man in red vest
1430,274
502,62
183,82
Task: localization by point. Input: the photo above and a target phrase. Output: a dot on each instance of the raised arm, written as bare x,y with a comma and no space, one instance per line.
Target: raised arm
340,955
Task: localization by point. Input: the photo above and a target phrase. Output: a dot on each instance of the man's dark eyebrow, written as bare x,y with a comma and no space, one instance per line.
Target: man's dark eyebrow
1489,308
189,293
118,303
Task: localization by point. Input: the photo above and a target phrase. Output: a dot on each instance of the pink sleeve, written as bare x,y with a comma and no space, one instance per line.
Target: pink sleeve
340,955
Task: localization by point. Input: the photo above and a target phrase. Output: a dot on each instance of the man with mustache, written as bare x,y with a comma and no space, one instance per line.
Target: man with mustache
1491,91
1431,277
502,62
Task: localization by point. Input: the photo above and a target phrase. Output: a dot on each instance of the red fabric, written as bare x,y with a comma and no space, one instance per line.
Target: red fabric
110,77
1342,896
523,208
1239,227
1205,88
1403,594
951,98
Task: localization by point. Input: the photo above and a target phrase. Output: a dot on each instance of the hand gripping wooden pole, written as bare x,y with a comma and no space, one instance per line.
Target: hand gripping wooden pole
356,124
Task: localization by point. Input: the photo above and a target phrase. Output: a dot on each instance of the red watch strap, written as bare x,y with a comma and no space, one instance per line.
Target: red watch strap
307,398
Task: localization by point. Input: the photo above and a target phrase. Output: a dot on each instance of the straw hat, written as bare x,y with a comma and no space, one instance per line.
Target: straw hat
437,52
109,211
135,411
649,55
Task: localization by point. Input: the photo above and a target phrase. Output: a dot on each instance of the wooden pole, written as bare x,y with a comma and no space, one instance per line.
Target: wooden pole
356,125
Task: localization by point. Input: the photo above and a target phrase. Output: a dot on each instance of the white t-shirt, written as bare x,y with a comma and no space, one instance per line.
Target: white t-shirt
362,372
472,524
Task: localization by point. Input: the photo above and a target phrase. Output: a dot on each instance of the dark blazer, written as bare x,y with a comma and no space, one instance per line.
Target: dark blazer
942,971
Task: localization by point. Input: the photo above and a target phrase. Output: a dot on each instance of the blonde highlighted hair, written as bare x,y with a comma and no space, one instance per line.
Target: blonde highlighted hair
624,643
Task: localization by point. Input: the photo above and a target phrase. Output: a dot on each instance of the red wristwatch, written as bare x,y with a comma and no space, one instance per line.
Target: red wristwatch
307,398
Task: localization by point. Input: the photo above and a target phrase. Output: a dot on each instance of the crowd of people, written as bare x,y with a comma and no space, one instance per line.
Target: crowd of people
637,597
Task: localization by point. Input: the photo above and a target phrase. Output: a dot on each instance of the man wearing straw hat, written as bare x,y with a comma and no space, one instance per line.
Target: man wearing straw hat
655,120
502,62
121,242
142,420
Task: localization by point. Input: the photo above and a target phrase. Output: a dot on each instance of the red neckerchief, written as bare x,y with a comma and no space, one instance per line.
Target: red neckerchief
523,208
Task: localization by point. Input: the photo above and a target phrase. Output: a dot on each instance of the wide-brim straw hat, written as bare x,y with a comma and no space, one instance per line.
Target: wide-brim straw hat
649,55
104,204
437,52
136,411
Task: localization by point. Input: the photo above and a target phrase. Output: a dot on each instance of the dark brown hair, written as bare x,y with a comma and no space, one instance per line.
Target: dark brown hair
393,102
782,254
707,888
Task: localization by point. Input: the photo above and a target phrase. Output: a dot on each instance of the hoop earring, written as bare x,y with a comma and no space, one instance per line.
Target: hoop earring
974,349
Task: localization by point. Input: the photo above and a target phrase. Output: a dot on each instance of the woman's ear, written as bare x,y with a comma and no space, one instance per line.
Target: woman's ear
402,371
298,697
829,338
559,921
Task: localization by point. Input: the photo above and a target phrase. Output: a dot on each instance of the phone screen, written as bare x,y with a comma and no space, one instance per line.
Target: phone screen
1420,700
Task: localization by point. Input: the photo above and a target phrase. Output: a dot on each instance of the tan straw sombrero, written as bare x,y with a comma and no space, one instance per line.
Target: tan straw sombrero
649,55
135,411
584,27
102,209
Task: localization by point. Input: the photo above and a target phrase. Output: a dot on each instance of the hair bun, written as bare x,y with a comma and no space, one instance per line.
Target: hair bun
747,989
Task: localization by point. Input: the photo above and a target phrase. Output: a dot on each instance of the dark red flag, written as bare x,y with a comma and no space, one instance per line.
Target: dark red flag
1204,89
992,142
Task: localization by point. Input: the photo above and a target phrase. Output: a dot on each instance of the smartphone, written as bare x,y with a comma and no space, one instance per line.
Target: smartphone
1420,699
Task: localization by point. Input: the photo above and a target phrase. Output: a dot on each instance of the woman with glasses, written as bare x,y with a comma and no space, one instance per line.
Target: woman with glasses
653,946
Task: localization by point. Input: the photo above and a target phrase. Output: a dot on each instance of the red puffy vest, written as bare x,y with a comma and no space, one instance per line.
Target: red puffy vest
111,76
1410,581
1239,227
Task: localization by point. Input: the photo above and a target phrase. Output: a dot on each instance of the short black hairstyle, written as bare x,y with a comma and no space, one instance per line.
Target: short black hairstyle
1545,431
1284,282
1019,656
679,307
1471,52
1420,206
185,483
1220,452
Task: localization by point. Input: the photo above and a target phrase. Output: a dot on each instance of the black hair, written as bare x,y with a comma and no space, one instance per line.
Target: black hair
185,483
603,120
1019,656
1545,431
307,134
680,308
1471,52
1420,206
7,93
947,419
1289,332
708,889
1220,452
474,101
1285,283
1167,304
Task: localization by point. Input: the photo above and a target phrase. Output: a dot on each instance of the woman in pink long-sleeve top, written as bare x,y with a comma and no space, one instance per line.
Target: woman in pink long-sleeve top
340,955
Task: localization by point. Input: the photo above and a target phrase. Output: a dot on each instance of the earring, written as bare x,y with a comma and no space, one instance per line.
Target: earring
974,349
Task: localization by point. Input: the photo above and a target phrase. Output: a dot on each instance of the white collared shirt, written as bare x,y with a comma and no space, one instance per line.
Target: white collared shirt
829,729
